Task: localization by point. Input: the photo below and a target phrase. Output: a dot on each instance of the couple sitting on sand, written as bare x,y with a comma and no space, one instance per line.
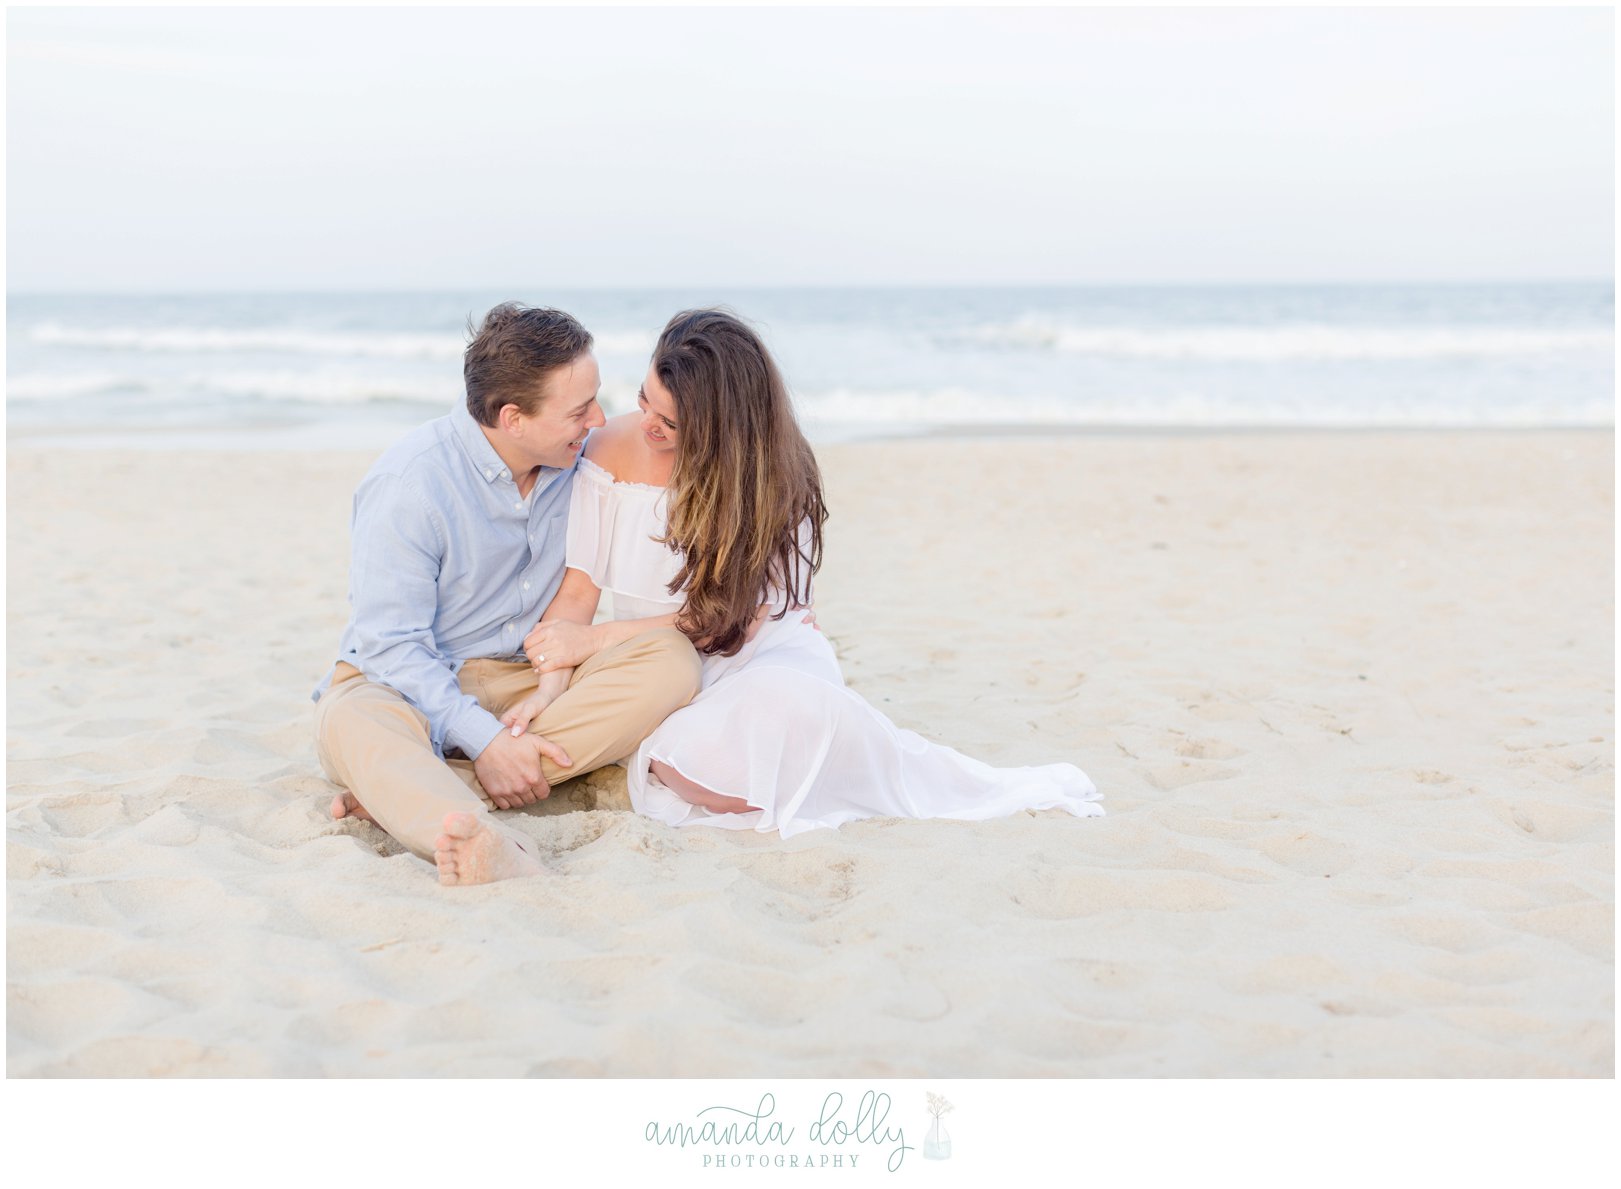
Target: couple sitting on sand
702,514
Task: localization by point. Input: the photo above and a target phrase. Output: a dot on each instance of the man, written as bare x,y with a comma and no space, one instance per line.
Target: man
458,545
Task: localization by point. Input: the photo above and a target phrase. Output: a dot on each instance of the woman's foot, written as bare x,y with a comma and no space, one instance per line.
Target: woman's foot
345,805
695,794
470,852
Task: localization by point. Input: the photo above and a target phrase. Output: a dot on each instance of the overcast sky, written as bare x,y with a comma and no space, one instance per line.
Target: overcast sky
169,150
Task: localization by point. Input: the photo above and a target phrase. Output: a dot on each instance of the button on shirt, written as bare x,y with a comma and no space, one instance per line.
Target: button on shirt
449,563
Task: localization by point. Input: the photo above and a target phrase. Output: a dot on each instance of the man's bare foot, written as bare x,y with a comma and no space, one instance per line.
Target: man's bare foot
470,852
345,805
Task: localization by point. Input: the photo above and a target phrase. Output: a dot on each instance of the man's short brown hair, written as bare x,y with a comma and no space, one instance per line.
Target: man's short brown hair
512,354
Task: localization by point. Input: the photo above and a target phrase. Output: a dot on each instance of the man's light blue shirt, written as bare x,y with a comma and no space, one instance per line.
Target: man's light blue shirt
448,563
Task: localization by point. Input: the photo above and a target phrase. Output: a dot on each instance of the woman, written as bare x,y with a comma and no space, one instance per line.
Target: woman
704,511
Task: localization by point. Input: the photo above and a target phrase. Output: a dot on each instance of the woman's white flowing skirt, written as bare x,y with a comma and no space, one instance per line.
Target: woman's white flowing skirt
776,726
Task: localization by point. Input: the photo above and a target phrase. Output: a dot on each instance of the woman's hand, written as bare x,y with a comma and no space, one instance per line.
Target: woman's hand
524,713
764,612
560,645
549,688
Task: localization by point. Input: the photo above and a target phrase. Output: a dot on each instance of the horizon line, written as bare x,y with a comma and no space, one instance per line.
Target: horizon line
414,291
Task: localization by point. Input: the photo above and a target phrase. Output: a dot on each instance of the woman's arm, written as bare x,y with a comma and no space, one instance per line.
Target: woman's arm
566,637
575,602
561,644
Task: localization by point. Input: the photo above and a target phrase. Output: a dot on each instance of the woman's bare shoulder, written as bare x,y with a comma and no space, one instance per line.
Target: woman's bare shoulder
607,446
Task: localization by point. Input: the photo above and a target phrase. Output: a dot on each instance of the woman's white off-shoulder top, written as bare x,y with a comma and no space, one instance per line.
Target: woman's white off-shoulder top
610,525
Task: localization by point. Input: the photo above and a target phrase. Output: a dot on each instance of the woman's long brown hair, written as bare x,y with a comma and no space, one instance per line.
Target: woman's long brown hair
745,480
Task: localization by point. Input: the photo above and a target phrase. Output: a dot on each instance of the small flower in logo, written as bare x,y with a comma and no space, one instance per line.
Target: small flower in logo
937,1144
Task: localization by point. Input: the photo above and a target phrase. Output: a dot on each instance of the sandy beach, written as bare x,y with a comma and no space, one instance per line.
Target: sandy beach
1348,696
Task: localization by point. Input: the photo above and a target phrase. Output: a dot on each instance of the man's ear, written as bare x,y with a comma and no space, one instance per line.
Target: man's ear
510,418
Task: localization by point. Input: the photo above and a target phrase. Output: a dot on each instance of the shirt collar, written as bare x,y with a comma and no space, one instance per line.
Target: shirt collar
483,456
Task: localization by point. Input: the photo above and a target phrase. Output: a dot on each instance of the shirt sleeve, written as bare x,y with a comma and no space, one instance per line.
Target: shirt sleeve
394,568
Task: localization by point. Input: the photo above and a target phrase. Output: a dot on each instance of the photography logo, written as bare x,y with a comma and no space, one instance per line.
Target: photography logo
840,1134
937,1144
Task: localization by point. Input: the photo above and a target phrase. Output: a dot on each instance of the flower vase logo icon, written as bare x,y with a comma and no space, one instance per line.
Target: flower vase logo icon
937,1144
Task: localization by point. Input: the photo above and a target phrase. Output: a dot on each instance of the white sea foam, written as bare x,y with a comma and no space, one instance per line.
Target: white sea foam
327,388
1299,341
57,386
313,387
1419,356
203,339
212,339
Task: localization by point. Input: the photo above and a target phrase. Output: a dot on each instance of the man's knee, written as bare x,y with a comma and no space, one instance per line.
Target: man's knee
671,665
361,715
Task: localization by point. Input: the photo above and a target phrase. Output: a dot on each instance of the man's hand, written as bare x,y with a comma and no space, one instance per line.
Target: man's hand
559,645
509,769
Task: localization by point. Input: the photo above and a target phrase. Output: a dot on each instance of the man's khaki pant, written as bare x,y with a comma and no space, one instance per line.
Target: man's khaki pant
376,744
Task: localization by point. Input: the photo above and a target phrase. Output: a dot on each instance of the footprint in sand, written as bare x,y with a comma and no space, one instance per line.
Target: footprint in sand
642,836
82,815
807,873
917,1000
1549,763
597,977
1216,711
168,826
1062,895
1308,854
1207,749
1456,933
559,834
1549,821
1166,777
28,862
1195,824
113,728
1055,1038
776,998
79,763
1486,968
54,1013
163,1056
1587,926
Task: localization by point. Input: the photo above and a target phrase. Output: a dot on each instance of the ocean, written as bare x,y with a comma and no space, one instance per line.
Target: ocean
304,371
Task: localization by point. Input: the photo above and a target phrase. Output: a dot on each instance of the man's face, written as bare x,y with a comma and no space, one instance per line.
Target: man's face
552,437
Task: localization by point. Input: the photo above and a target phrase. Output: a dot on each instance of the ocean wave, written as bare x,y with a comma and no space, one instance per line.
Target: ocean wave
890,411
53,386
324,388
211,340
205,339
319,387
1301,341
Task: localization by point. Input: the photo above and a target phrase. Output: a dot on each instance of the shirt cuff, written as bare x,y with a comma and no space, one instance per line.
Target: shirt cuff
472,730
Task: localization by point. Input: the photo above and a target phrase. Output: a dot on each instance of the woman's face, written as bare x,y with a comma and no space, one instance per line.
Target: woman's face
658,414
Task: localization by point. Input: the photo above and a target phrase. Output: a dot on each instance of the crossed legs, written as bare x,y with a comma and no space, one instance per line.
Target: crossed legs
376,744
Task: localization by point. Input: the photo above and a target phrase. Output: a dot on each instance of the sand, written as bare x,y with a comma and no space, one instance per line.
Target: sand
1349,697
